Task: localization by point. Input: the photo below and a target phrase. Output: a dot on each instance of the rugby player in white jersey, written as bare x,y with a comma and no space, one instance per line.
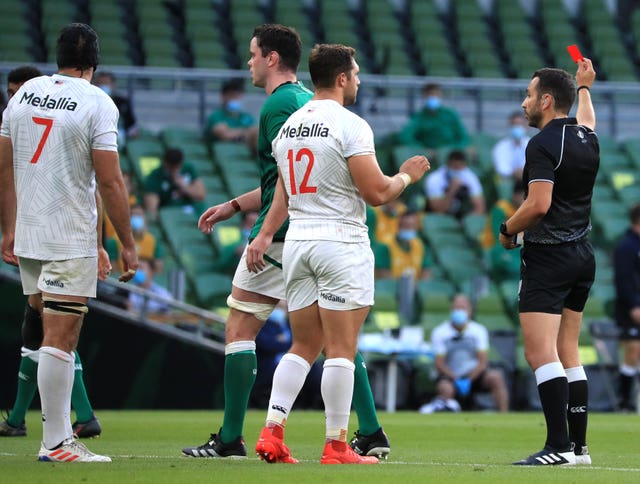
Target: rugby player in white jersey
327,172
58,135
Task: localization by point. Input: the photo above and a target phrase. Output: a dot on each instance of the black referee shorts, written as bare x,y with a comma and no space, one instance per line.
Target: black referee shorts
553,277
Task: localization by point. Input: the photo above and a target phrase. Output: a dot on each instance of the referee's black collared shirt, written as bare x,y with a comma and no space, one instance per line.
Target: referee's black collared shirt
567,155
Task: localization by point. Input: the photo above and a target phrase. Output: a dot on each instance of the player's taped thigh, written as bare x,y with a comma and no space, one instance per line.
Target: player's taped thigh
64,307
32,332
261,311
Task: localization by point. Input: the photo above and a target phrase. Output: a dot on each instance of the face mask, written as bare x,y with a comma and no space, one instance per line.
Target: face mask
278,315
432,103
140,277
235,105
406,235
455,173
137,223
517,132
459,317
106,88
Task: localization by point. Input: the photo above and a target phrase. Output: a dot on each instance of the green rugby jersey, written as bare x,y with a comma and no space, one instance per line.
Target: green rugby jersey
282,103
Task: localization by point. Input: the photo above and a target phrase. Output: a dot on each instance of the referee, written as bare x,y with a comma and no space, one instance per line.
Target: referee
557,263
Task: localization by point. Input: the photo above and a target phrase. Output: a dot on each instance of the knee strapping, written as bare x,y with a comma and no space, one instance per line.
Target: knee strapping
260,310
64,307
32,333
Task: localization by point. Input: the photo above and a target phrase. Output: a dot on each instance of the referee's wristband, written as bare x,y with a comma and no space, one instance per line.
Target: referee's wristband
406,179
236,206
583,87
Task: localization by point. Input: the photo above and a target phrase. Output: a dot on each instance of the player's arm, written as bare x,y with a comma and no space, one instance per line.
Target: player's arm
530,212
7,201
247,202
194,190
585,114
104,265
276,216
375,187
116,201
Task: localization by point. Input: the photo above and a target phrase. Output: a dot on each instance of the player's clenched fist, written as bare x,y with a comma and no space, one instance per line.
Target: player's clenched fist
415,167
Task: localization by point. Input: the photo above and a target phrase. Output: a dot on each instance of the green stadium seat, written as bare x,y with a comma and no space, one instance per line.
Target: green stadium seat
386,295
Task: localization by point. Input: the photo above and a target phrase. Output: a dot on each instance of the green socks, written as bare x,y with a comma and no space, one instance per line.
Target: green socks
79,399
27,386
239,376
363,402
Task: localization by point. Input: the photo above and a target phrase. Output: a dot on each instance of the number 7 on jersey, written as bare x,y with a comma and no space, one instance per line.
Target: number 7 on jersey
48,124
299,156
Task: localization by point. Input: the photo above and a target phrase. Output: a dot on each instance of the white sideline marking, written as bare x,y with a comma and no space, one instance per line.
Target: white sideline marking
384,463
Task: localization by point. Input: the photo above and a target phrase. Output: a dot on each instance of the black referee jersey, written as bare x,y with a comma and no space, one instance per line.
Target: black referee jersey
568,155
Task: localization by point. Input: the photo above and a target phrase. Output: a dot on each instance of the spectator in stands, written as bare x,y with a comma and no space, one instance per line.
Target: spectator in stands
147,245
127,127
16,78
230,122
387,217
508,153
505,264
435,125
174,183
144,279
627,312
461,347
407,253
454,188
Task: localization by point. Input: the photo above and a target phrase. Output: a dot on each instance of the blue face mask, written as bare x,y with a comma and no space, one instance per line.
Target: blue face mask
517,132
406,235
432,103
137,223
106,88
459,317
140,277
234,105
455,173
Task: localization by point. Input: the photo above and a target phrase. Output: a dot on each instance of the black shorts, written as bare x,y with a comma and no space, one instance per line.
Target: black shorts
628,332
553,277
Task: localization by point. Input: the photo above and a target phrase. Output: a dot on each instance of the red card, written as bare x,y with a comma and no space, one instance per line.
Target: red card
574,52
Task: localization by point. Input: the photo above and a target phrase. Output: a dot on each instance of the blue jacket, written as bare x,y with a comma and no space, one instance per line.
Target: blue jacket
626,261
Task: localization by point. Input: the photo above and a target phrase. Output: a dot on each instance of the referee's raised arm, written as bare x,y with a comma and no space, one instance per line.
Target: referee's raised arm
585,76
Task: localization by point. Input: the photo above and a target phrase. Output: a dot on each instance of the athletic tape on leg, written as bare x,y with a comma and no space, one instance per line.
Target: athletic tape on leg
63,306
238,346
260,310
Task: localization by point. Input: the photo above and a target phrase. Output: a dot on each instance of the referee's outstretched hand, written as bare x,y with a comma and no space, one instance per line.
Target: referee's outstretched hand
585,75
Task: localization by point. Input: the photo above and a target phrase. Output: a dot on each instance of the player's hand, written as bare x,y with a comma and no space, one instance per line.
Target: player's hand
255,253
415,167
510,242
213,215
585,75
104,265
7,250
130,264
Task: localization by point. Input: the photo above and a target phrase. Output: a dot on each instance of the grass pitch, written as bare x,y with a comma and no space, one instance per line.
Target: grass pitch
467,447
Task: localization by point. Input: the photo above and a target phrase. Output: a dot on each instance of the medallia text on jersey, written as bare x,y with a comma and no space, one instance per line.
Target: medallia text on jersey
315,130
49,102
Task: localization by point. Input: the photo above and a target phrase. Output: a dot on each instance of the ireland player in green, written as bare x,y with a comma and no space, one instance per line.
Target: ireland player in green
275,54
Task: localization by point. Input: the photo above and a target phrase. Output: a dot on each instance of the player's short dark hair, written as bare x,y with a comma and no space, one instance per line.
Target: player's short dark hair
559,84
77,47
22,74
232,86
634,214
328,61
173,156
283,40
516,115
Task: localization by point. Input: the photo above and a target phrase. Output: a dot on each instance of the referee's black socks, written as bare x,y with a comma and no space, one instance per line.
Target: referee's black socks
578,405
553,389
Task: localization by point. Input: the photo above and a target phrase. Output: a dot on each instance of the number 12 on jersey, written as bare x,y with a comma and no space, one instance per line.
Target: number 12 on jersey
302,154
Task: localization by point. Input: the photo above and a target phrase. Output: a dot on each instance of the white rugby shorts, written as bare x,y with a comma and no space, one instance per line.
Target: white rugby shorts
269,281
339,275
72,277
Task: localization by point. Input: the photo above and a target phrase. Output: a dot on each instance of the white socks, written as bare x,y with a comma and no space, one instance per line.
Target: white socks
288,380
55,382
337,391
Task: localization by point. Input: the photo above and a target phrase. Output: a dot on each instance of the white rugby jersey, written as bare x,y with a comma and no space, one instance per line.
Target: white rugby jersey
312,149
54,122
